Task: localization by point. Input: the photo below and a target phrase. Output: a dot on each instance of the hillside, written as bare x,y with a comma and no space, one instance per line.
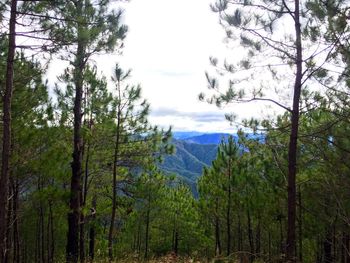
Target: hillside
189,159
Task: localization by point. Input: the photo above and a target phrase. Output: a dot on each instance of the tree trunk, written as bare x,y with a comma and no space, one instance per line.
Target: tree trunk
346,248
282,249
52,235
82,238
114,186
42,233
250,237
147,226
217,229
258,238
293,141
300,221
6,136
240,236
15,225
9,227
92,231
269,245
139,229
228,212
85,181
327,246
176,243
72,249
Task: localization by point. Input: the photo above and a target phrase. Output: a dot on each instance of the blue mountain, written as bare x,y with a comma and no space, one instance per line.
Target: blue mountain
179,135
210,138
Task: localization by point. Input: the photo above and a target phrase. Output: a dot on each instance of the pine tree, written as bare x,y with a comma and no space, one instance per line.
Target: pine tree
136,143
258,25
6,134
88,28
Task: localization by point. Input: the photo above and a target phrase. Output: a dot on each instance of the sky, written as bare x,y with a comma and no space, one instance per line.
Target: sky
168,48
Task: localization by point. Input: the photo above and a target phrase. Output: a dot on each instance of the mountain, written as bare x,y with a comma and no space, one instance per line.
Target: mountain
194,152
179,135
209,138
189,159
216,138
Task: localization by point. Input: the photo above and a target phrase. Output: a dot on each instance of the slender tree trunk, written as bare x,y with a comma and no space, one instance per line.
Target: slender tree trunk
48,238
86,152
293,141
282,249
114,200
139,238
335,241
114,186
42,233
327,246
239,235
147,226
6,136
217,229
9,226
250,237
15,225
300,227
176,243
72,249
52,234
258,238
92,230
228,212
82,238
346,248
269,245
37,242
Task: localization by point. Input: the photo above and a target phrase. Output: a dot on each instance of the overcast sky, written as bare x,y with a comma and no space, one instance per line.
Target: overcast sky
168,47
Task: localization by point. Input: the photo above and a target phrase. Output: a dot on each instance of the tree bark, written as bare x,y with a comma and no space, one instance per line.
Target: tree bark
293,141
6,136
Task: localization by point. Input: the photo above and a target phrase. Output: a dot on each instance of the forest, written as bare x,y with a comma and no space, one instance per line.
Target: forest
86,177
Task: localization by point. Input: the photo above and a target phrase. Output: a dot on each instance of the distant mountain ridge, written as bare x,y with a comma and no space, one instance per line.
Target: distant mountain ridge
189,159
179,135
210,138
194,151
